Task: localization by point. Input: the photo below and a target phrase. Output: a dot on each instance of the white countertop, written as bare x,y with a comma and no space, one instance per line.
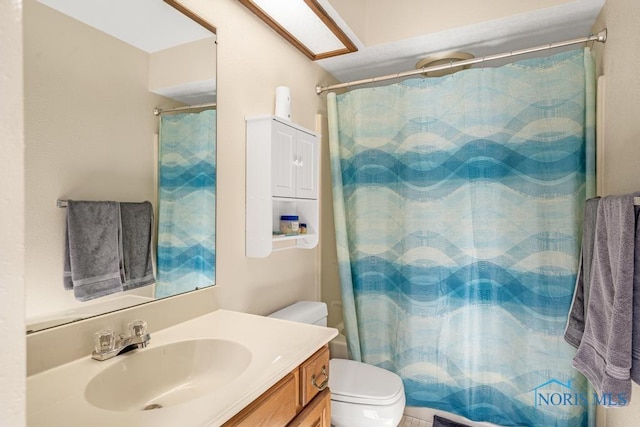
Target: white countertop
56,397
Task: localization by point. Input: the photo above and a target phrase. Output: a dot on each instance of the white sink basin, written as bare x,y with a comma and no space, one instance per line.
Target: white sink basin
202,372
159,377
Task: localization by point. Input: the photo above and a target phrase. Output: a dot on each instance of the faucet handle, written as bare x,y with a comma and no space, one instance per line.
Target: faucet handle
104,341
137,328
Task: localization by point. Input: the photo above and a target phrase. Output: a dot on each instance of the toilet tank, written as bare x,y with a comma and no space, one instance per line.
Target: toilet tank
311,312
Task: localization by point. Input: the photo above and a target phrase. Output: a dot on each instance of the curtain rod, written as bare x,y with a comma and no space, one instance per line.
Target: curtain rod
599,37
63,203
157,111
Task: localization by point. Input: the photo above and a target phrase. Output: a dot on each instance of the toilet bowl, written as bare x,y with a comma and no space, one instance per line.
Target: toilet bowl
362,395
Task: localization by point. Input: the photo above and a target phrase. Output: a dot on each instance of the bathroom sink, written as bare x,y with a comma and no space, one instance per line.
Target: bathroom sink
169,375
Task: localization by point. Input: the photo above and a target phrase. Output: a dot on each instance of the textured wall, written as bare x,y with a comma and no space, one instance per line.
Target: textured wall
12,350
619,63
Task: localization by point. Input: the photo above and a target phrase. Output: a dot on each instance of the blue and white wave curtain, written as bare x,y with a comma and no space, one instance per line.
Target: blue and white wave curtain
458,207
187,201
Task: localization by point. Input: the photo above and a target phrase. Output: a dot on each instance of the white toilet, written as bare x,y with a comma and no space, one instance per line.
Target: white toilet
362,395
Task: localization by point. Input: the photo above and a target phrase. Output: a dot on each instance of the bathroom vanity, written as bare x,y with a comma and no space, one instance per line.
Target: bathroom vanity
223,368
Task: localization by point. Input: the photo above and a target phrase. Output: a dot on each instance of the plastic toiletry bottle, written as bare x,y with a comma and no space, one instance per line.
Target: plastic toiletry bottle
289,224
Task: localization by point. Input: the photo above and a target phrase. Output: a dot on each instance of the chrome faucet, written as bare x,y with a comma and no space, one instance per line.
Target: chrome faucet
107,346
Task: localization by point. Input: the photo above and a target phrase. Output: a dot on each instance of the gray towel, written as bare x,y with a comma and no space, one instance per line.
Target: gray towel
635,345
137,240
578,313
604,354
92,253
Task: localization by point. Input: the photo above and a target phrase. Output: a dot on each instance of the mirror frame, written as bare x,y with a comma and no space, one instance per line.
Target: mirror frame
191,14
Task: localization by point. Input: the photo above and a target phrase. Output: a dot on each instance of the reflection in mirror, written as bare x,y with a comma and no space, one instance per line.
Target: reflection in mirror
94,71
187,202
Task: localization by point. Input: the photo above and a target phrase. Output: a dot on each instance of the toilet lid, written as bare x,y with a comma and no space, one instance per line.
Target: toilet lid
357,382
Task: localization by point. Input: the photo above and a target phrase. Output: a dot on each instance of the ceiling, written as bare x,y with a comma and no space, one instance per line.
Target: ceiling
391,36
479,27
149,25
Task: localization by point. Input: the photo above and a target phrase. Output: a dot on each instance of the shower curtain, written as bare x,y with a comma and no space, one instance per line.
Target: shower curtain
187,201
458,203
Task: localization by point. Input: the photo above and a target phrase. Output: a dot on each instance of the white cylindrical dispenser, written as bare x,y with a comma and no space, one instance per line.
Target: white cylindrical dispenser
283,102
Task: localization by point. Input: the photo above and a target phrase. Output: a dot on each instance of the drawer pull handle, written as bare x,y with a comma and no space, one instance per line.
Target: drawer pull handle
324,383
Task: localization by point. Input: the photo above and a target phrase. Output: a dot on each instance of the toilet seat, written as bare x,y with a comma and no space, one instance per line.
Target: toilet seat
360,383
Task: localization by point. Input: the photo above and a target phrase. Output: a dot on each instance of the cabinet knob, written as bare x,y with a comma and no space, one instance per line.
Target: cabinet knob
324,383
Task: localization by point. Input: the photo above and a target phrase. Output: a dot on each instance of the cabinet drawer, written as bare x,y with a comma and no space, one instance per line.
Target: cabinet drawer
314,375
276,407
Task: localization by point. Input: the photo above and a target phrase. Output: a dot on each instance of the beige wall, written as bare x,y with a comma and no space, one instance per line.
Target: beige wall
330,289
171,68
252,61
619,63
89,135
12,349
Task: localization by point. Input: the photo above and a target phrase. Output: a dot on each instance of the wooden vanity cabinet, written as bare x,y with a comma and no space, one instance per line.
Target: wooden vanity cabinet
295,401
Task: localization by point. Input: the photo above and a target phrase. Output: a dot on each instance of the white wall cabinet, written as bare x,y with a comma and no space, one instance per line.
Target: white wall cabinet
294,162
282,167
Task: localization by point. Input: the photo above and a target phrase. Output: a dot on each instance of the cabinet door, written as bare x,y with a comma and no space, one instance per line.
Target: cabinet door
283,156
315,414
306,166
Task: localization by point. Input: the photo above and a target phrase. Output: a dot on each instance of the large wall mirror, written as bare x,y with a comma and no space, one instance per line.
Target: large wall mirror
110,89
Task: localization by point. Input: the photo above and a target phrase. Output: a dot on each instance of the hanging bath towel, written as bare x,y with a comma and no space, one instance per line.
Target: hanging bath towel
93,249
